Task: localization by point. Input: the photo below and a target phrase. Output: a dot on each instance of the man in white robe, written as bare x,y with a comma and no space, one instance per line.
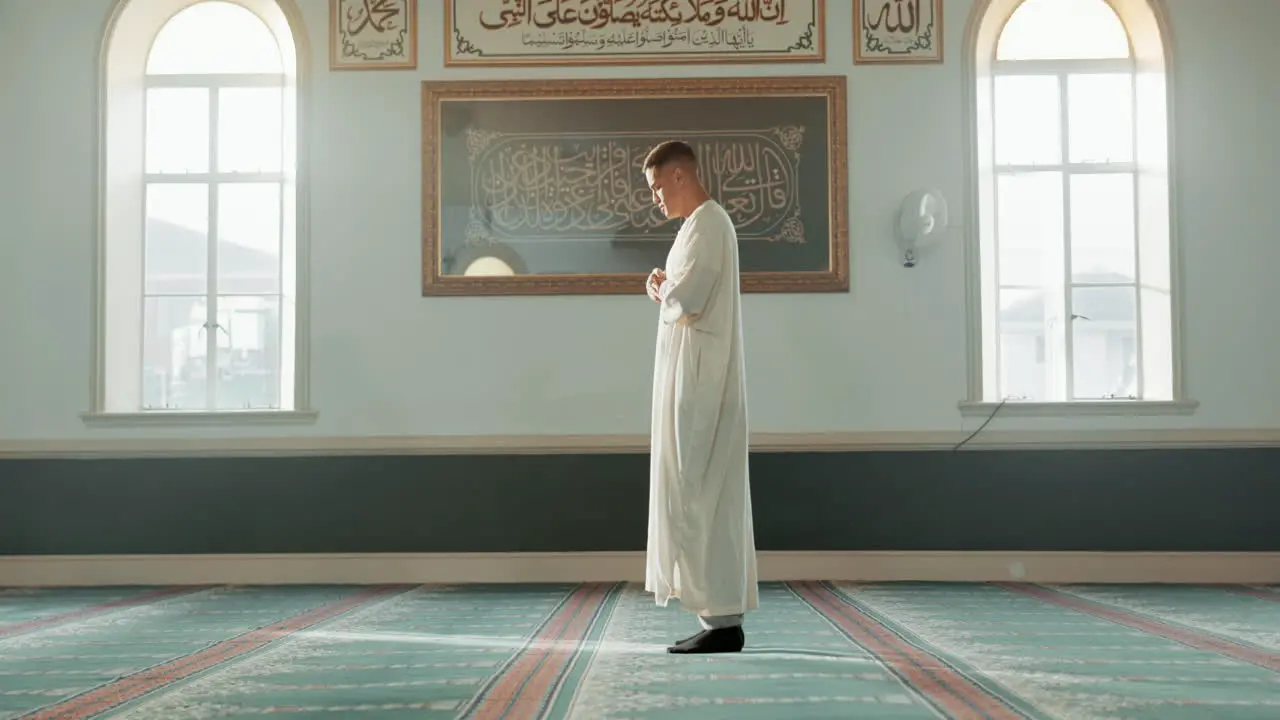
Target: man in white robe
701,545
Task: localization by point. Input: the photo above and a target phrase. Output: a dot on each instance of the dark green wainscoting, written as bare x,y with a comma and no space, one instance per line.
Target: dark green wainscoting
1117,500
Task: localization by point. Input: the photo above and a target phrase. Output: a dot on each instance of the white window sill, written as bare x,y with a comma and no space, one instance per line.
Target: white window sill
188,418
1079,408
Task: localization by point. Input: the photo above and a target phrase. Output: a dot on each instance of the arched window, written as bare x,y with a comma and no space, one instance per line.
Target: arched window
200,288
1075,267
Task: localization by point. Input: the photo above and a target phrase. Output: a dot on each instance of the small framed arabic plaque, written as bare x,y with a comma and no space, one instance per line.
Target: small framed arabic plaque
537,187
897,31
615,32
373,34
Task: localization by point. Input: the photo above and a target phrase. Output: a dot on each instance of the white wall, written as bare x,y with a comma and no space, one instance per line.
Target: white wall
888,356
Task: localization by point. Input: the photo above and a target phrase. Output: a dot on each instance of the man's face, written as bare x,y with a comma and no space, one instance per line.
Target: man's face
665,187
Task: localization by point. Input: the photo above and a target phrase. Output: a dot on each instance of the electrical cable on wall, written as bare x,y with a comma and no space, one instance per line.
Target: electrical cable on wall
974,434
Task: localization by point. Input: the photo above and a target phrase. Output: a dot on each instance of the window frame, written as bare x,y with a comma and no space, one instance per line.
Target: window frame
1146,25
127,40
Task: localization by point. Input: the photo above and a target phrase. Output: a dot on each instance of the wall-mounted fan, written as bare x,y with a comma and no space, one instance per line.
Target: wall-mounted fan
922,219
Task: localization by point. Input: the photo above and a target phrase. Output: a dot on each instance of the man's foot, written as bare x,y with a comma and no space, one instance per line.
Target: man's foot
691,638
720,640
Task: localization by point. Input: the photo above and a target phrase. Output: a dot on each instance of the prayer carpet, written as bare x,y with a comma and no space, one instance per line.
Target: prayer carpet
597,651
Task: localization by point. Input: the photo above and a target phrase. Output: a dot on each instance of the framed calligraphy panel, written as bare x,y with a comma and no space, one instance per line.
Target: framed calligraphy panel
897,31
579,32
373,34
537,186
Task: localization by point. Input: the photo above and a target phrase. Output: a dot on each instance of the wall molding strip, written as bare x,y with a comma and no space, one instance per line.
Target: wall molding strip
866,566
902,441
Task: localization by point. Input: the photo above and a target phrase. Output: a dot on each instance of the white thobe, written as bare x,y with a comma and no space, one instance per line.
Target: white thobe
701,545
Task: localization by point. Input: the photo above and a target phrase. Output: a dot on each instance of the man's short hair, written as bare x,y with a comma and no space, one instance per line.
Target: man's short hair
670,151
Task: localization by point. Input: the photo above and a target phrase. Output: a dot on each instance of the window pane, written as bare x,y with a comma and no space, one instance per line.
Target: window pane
249,238
1104,342
1063,29
249,129
1029,224
177,130
174,345
248,352
1028,120
214,37
1100,112
177,239
1024,372
1103,228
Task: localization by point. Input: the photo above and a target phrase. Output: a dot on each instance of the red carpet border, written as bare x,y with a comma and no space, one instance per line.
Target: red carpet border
134,686
953,693
523,688
977,650
41,623
1186,636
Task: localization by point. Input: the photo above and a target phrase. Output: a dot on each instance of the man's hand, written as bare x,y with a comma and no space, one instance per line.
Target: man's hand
654,284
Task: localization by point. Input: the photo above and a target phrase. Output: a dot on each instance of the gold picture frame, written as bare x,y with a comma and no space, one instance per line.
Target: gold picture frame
535,187
497,33
898,32
386,28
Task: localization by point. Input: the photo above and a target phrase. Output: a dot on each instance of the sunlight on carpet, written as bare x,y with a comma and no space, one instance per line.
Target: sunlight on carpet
598,651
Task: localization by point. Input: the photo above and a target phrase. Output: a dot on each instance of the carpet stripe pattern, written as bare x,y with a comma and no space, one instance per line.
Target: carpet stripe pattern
1077,660
532,675
942,684
56,609
133,685
1186,635
597,652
